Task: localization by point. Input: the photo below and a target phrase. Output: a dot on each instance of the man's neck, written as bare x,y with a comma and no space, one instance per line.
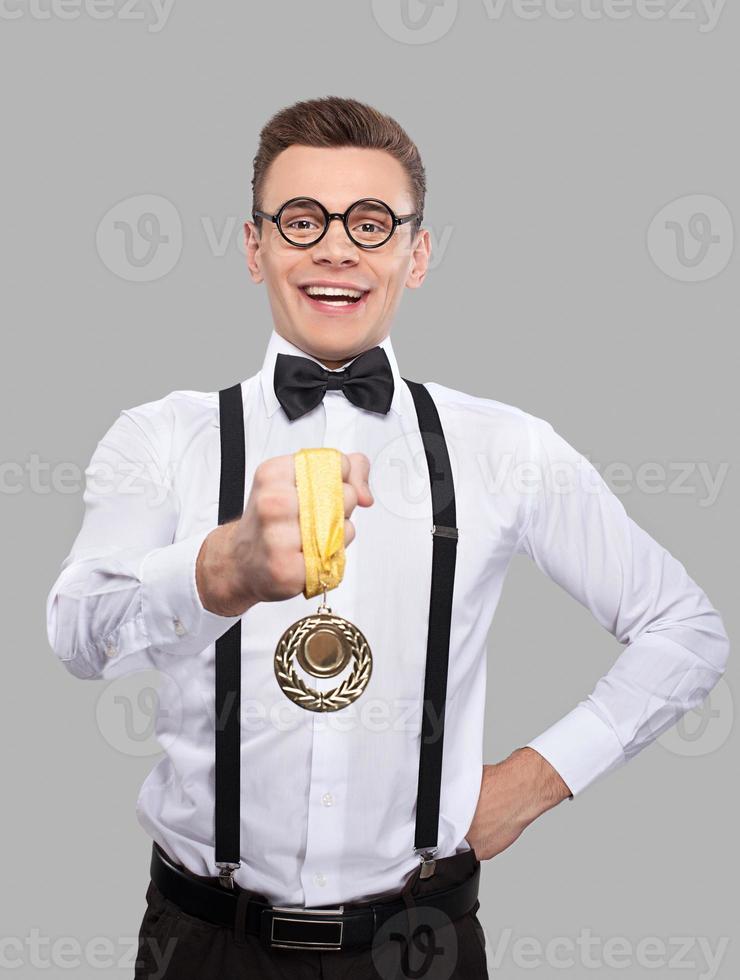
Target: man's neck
333,365
330,365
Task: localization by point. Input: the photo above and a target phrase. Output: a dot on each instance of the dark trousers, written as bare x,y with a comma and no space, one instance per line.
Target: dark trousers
423,943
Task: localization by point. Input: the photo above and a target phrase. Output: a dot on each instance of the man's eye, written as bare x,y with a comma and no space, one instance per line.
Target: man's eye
303,222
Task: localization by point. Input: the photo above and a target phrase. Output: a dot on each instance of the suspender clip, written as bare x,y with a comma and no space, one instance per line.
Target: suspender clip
444,532
226,871
428,863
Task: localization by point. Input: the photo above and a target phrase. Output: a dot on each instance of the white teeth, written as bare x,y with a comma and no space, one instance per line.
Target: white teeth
332,291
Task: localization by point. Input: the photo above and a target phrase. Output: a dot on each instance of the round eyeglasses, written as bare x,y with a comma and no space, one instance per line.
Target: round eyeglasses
303,221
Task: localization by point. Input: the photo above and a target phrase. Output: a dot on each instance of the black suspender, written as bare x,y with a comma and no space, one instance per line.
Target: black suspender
228,646
444,549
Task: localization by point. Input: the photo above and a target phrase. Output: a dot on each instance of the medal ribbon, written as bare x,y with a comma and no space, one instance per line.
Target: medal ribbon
321,515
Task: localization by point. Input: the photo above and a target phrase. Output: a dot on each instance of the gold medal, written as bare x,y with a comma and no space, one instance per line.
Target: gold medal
323,644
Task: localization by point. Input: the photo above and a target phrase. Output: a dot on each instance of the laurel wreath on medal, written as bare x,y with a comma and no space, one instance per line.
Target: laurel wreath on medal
338,697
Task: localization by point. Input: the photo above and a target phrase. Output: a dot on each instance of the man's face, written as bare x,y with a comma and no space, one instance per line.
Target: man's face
337,177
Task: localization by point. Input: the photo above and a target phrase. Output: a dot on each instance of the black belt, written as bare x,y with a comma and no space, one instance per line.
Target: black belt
298,928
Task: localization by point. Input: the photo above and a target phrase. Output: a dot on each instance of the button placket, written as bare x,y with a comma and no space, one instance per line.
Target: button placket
323,815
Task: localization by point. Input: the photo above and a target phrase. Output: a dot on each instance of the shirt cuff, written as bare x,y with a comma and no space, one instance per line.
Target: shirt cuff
580,747
174,617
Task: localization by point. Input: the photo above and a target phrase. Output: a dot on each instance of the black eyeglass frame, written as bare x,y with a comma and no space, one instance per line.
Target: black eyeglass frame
329,216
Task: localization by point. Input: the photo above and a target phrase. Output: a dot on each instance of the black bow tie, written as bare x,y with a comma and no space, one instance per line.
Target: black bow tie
301,383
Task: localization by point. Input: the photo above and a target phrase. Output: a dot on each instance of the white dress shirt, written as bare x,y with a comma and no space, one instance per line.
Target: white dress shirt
328,799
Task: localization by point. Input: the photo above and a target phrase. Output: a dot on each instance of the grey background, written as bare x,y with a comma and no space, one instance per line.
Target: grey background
549,146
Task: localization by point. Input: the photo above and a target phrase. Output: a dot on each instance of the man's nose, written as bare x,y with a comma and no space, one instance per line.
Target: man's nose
335,245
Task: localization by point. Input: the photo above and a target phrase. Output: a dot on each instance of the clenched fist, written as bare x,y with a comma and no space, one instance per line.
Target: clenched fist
259,557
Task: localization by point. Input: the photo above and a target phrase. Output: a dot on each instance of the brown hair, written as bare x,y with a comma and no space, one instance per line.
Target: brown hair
332,121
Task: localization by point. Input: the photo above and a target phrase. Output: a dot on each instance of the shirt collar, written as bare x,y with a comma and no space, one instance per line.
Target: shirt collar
279,345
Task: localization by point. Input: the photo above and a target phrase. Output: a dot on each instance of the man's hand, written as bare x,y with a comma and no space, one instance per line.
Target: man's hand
259,557
513,794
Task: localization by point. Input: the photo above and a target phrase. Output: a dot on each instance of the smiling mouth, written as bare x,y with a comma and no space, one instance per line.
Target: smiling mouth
334,296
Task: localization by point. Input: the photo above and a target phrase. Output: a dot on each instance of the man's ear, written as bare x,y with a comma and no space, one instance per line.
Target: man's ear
419,261
252,250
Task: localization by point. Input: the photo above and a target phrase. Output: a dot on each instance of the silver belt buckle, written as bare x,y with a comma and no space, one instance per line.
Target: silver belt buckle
332,928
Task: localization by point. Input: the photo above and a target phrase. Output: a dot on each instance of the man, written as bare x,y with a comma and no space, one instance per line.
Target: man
356,815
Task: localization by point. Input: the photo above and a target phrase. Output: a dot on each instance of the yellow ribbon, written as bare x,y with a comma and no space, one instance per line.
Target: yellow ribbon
321,515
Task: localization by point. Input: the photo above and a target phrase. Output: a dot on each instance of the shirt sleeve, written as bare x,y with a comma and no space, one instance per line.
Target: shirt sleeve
126,593
675,644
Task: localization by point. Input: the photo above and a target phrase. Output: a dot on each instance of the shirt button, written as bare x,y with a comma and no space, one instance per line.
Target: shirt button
110,650
327,799
320,879
179,628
